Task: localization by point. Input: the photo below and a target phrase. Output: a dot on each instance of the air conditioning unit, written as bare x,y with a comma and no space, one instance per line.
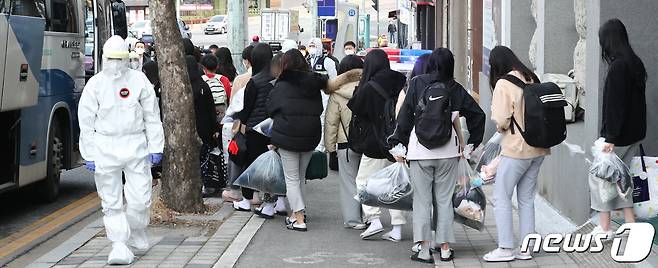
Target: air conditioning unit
570,91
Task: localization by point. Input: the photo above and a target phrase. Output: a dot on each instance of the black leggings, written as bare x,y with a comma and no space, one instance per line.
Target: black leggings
256,145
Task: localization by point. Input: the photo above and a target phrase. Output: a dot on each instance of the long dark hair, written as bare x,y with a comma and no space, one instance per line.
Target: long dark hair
293,60
349,63
613,39
441,64
502,61
225,65
376,61
420,66
261,56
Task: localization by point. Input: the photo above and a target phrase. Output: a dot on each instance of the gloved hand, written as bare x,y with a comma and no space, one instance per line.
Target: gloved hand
155,158
90,165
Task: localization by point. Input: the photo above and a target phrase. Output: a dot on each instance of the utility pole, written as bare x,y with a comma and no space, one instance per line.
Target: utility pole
313,6
237,30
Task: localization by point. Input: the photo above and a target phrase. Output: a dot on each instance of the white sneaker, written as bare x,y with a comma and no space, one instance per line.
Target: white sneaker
599,230
372,230
524,256
499,255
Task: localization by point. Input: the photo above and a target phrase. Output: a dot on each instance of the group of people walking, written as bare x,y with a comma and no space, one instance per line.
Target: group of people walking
359,109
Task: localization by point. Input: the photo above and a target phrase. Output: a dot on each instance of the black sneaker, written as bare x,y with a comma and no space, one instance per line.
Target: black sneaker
259,212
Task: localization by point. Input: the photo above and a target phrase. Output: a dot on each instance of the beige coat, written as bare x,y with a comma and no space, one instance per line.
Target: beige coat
507,101
340,89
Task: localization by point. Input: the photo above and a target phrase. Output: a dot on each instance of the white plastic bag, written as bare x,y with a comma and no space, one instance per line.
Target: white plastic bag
608,167
388,188
265,127
490,151
607,191
469,201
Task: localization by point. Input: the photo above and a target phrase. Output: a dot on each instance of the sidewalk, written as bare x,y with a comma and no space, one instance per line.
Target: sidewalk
326,244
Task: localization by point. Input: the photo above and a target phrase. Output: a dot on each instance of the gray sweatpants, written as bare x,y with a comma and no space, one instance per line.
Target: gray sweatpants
348,167
434,180
294,169
522,175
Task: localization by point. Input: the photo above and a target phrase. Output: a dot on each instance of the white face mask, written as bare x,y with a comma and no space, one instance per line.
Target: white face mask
349,52
115,68
313,51
140,50
134,64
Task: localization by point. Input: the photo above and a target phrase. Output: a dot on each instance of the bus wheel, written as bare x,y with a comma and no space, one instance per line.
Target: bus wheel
49,187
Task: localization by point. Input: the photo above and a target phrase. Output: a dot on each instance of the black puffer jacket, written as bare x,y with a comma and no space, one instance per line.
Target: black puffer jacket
255,99
295,105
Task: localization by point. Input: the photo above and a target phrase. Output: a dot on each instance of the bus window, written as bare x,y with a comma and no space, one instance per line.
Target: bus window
30,8
62,17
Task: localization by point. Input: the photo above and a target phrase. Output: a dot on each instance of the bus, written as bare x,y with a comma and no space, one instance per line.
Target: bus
42,74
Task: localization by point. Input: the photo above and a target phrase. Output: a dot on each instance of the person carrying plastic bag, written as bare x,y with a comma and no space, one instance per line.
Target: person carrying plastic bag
388,188
489,159
623,115
610,177
428,125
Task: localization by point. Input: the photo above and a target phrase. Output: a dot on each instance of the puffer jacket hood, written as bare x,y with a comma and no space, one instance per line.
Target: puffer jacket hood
336,85
306,80
390,80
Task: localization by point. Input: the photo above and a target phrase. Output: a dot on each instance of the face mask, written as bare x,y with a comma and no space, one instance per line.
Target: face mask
349,52
140,50
313,51
134,64
115,67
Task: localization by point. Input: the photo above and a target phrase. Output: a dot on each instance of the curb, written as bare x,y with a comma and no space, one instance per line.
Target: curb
47,227
69,246
230,257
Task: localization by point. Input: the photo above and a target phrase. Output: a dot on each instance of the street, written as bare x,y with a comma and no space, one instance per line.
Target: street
21,208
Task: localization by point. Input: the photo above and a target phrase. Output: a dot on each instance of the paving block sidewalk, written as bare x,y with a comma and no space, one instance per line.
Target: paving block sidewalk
170,247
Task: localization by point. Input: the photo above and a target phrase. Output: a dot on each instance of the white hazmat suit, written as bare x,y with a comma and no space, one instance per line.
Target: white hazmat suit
120,131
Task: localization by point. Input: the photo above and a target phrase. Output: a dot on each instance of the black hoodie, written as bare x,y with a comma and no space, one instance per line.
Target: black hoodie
368,106
295,106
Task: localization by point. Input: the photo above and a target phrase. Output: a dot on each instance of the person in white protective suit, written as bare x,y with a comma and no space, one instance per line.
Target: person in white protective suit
120,131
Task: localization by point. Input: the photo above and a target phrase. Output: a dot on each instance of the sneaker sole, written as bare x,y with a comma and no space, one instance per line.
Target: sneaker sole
508,259
372,234
523,258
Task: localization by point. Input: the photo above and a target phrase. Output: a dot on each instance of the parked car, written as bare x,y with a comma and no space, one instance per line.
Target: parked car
142,30
216,24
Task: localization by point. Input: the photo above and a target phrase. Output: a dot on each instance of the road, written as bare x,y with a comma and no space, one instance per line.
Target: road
203,40
21,208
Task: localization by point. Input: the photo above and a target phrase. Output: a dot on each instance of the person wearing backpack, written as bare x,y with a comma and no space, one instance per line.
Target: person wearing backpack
428,126
519,162
336,127
624,114
219,85
373,121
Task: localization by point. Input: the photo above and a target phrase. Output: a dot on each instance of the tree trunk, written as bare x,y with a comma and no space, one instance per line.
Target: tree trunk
181,184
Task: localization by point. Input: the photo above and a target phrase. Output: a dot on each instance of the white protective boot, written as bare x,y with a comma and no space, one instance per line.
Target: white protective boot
118,231
138,221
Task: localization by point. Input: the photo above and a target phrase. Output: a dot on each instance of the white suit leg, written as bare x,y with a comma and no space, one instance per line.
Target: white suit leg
109,187
138,196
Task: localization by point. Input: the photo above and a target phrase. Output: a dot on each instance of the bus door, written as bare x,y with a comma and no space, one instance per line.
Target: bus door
23,52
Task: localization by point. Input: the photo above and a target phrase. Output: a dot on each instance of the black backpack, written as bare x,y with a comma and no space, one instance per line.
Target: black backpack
371,138
544,121
433,115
